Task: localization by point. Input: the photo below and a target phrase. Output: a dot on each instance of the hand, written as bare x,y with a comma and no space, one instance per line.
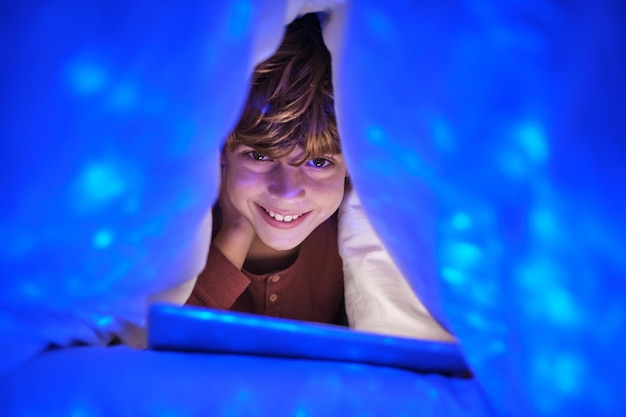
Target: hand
236,234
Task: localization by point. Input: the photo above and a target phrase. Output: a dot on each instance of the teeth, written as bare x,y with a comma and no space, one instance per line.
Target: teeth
282,218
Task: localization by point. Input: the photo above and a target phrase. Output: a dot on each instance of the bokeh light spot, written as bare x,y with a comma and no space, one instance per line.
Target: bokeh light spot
376,135
525,151
569,372
301,412
30,290
123,97
102,239
453,276
442,135
464,254
103,321
543,223
461,221
87,78
560,372
101,182
532,139
379,23
560,306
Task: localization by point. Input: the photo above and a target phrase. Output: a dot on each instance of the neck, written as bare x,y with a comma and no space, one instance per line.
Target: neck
262,259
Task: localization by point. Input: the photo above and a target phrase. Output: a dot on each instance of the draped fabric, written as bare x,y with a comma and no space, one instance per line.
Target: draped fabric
485,140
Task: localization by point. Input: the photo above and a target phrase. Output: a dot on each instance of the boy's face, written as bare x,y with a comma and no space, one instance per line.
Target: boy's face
284,203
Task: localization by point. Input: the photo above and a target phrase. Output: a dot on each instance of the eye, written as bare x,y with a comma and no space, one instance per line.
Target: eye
257,156
319,162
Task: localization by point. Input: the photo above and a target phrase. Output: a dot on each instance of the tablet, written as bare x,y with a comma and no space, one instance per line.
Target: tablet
196,329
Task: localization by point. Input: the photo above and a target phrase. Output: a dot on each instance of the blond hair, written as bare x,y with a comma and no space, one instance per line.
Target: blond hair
291,100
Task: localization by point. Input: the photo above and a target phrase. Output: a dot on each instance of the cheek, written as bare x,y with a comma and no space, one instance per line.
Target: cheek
241,186
333,194
234,186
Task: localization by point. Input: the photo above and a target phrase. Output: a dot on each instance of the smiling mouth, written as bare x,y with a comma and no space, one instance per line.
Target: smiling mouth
286,218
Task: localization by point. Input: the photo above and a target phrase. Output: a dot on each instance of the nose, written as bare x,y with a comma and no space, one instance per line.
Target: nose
286,183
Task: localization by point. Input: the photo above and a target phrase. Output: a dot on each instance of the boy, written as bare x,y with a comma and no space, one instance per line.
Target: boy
283,178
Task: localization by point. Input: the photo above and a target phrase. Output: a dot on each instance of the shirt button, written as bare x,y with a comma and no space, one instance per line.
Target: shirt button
275,278
273,298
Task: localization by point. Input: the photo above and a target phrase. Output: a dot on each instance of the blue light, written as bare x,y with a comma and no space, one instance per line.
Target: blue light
569,370
123,97
379,23
442,135
543,224
100,182
413,164
453,276
83,409
240,19
476,321
543,283
557,373
30,290
560,306
525,152
87,78
301,412
103,321
512,164
463,254
376,135
532,140
461,221
102,239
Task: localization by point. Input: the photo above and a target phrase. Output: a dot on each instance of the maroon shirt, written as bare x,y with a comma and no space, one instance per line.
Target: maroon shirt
311,289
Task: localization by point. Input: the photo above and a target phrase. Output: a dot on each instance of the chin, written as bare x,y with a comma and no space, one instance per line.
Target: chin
283,246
